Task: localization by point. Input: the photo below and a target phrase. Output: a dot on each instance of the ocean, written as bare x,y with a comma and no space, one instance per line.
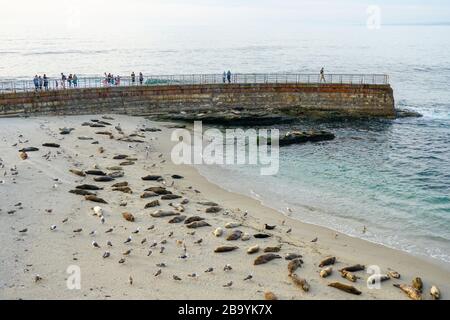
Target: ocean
392,176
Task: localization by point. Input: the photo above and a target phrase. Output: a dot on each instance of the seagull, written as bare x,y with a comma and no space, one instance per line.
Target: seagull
130,280
227,268
144,241
267,227
136,231
151,227
93,233
95,244
193,275
122,261
198,241
127,253
210,269
128,240
53,227
109,230
249,277
158,273
149,253
102,219
154,244
314,240
170,234
37,278
289,230
176,278
65,220
229,284
161,265
184,256
109,244
106,255
162,249
164,241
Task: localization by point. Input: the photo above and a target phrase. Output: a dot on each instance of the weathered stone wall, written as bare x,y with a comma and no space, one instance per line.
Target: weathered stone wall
292,99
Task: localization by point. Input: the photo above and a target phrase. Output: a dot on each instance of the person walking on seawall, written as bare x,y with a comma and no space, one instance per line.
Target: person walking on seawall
36,83
75,81
133,78
322,75
63,80
229,76
224,77
45,82
141,78
56,84
118,81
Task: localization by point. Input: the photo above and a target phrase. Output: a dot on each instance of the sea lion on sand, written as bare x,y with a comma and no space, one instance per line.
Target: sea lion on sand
393,274
377,278
253,249
82,192
349,276
299,282
261,236
29,149
265,258
231,225
293,265
120,184
79,173
151,178
326,272
123,189
193,219
410,291
268,295
177,219
158,190
115,168
213,209
345,288
152,204
417,283
96,125
198,224
128,216
327,262
127,163
95,172
170,197
208,203
267,227
272,249
225,249
88,187
120,157
435,293
354,268
164,213
103,179
51,145
235,235
218,232
146,195
95,199
292,256
177,177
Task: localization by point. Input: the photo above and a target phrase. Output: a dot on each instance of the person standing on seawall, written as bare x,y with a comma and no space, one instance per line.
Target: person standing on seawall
36,83
75,81
322,75
229,76
224,77
141,78
41,83
63,80
45,82
133,78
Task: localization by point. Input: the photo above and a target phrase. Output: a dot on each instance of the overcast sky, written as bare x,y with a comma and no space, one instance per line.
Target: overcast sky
87,14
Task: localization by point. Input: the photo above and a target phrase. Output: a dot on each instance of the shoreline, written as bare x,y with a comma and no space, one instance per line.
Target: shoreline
107,279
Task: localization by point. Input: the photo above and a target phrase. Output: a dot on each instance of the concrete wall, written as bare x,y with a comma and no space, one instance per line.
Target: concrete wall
292,99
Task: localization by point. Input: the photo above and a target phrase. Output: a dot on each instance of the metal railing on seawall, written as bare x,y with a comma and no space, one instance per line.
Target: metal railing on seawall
186,79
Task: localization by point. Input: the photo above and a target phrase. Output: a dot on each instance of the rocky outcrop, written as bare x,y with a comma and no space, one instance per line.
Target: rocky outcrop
298,137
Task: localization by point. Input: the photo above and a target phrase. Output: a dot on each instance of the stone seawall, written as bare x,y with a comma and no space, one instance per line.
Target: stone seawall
298,100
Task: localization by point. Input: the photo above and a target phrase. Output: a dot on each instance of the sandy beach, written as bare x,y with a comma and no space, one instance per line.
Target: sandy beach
35,195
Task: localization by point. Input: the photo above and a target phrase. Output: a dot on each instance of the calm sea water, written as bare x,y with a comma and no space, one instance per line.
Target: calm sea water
391,176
